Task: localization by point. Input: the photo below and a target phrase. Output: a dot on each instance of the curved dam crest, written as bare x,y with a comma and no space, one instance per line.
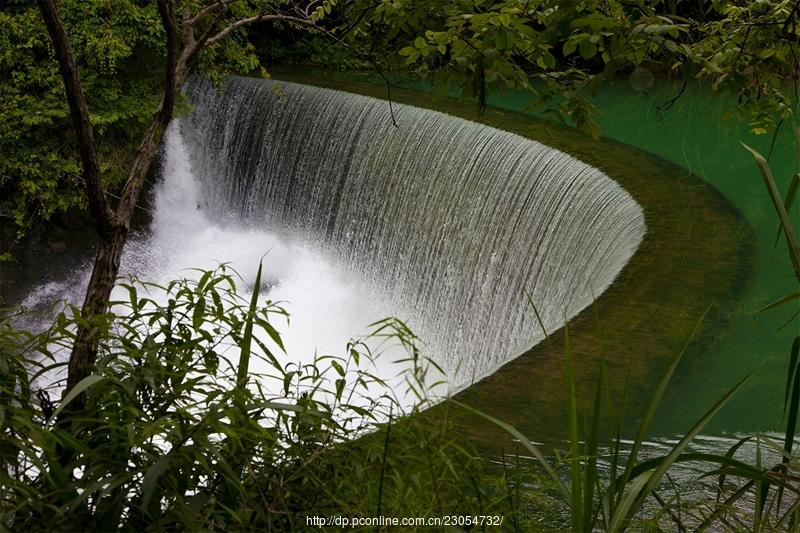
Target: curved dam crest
449,220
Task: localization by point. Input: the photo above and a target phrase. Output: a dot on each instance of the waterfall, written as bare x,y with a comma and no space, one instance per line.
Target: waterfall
444,222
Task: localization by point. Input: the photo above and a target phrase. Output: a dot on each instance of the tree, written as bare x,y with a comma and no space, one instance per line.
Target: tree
40,171
196,27
561,50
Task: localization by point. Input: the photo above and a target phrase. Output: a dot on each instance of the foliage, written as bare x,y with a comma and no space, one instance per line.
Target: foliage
560,51
119,49
750,50
39,171
557,50
173,438
633,493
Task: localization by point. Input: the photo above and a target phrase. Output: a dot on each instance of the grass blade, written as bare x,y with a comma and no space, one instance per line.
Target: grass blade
794,399
780,208
788,201
527,444
647,420
243,369
634,498
590,476
576,496
780,301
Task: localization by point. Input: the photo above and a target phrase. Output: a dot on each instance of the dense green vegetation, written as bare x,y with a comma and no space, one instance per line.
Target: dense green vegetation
561,51
180,433
163,424
120,49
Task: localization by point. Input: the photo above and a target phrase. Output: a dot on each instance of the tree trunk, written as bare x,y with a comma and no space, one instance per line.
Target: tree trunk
107,263
98,294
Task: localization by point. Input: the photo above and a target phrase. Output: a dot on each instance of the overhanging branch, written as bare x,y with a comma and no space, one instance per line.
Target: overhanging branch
265,17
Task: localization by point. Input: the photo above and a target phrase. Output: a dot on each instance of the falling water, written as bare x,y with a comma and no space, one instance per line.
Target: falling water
438,220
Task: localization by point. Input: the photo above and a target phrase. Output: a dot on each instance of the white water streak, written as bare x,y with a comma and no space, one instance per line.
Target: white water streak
443,221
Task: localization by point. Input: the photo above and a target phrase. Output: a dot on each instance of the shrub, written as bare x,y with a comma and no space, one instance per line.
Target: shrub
179,433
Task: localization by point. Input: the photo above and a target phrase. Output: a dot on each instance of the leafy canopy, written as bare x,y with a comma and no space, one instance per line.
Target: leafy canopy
120,52
561,50
558,50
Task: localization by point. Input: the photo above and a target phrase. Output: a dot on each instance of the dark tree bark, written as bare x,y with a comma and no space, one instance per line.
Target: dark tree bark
98,204
112,230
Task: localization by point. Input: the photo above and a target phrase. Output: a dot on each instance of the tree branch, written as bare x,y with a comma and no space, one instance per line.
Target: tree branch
206,10
152,138
103,215
266,17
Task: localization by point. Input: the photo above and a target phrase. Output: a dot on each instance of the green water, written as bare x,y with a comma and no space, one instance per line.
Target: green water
696,134
701,133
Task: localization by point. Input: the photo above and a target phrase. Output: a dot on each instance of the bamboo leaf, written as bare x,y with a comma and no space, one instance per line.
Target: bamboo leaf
780,208
247,340
80,387
150,480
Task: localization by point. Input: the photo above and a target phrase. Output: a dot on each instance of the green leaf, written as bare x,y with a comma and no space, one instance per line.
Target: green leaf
198,313
338,367
150,480
339,388
80,387
244,356
780,208
502,40
587,49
